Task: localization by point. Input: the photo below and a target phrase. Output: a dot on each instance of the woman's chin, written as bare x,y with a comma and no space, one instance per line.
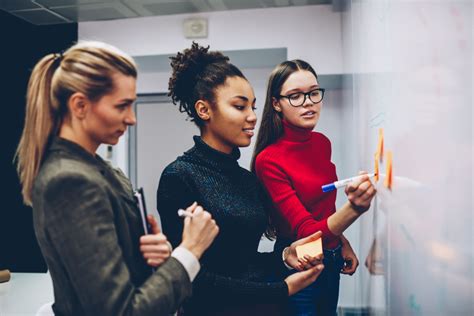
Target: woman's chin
308,124
244,143
112,141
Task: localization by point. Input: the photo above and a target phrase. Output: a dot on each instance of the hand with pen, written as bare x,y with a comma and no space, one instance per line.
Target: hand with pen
200,230
360,192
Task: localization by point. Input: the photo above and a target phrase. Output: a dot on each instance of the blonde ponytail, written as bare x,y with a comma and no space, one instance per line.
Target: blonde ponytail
87,67
40,121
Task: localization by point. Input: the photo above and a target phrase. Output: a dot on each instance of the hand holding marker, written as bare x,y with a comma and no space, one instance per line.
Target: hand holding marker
342,183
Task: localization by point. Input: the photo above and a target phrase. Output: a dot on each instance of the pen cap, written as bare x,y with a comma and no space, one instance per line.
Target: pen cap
328,187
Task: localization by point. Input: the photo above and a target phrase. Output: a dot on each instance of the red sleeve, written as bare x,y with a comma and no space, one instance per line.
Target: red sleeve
287,202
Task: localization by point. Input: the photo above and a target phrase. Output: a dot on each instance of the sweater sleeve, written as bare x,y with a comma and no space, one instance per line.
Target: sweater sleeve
286,201
173,193
271,261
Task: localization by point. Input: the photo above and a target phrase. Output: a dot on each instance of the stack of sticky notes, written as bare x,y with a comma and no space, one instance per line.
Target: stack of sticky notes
312,248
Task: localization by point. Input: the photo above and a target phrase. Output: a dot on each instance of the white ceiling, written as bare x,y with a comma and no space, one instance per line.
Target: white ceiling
41,12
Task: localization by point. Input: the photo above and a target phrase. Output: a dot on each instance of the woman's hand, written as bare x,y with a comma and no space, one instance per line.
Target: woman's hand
155,247
299,280
360,193
199,230
350,259
307,262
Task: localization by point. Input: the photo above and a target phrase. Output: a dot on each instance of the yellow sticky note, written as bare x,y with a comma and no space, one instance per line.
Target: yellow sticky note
389,170
380,145
376,167
312,248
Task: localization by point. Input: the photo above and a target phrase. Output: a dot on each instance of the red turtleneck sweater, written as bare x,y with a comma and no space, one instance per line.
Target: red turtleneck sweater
293,170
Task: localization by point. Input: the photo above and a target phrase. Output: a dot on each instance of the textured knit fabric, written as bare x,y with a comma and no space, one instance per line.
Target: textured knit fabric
89,227
293,169
233,274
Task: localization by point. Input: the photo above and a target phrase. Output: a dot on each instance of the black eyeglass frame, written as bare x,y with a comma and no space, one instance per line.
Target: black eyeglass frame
307,94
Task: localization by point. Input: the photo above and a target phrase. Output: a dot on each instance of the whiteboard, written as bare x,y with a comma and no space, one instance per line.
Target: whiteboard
412,76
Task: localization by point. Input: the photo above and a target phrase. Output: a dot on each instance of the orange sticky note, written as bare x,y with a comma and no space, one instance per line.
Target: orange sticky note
380,145
376,167
389,171
312,248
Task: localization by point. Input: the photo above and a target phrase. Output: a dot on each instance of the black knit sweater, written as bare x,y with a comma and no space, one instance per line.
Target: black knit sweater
233,273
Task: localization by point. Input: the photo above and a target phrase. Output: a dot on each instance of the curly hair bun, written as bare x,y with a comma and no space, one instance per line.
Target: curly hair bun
187,67
196,73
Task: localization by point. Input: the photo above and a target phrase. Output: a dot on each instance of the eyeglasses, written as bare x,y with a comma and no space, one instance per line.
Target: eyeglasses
299,98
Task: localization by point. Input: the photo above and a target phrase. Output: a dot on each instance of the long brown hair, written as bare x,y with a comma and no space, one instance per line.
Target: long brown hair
271,126
87,67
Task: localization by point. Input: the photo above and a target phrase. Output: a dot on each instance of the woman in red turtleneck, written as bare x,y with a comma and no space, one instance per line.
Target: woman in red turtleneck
293,162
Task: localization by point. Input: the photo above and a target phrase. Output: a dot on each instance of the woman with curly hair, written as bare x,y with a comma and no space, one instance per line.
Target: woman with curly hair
234,276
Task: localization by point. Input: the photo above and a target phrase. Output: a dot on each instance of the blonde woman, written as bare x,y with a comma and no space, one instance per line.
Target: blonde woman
87,224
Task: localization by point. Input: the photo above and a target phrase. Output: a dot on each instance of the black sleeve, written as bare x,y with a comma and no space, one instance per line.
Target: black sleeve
79,221
173,193
273,261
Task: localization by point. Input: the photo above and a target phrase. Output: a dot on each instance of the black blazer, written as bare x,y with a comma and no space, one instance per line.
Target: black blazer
88,227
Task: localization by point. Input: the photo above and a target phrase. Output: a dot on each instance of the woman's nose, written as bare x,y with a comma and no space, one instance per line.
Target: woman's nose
131,118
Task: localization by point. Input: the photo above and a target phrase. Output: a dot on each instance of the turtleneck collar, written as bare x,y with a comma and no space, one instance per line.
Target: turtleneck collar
295,134
214,157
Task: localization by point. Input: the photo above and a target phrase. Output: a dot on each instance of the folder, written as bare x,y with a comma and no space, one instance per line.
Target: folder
140,199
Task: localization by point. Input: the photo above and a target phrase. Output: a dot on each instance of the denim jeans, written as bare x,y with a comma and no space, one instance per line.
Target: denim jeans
321,297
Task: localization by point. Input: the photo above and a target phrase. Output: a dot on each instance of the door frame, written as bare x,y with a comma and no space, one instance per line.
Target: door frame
142,98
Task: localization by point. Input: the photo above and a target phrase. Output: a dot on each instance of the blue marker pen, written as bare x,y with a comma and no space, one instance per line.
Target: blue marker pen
342,183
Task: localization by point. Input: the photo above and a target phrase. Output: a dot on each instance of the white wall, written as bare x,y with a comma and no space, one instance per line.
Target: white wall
312,33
